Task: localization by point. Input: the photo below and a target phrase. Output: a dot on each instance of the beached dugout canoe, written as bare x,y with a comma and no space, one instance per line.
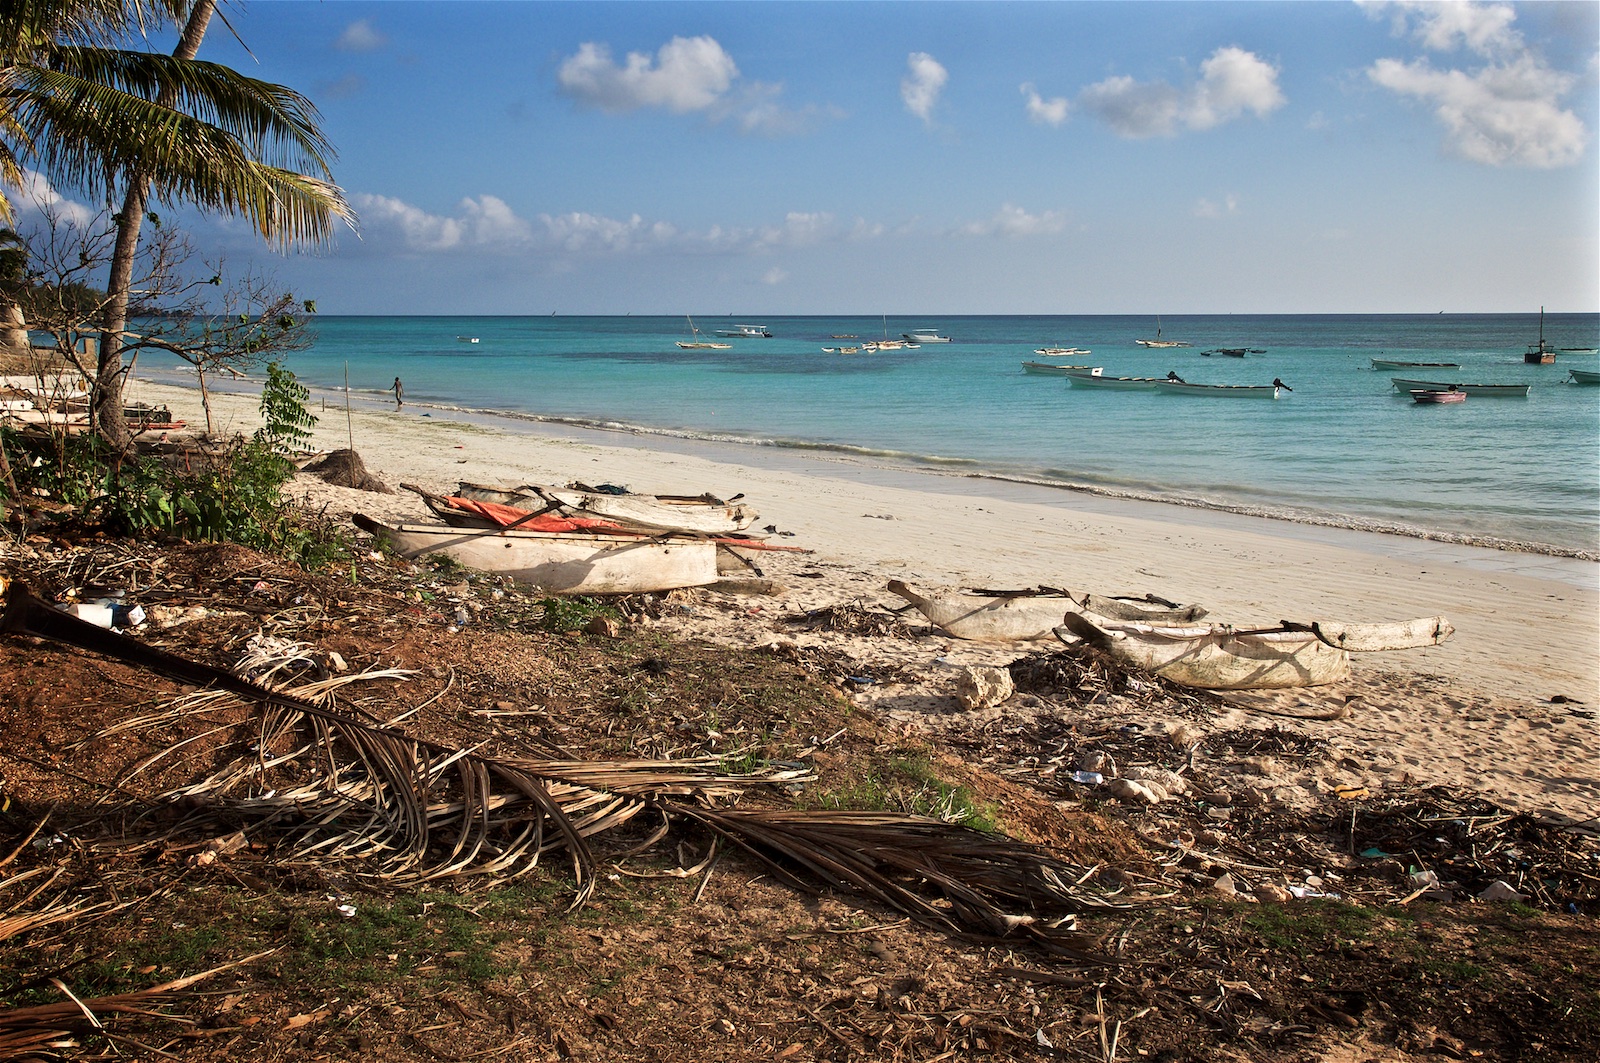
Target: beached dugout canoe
1215,656
1220,657
558,562
705,514
1021,616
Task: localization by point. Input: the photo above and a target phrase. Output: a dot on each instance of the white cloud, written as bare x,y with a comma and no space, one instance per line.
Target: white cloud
37,200
1444,26
1232,82
360,36
1051,112
921,86
488,224
382,216
1014,222
1505,112
774,276
1207,208
686,74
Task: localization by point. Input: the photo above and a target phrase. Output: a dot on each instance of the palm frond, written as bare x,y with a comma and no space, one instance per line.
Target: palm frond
953,878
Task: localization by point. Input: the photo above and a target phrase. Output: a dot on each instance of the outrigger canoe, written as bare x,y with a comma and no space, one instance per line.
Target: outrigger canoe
1021,616
575,562
1219,657
705,514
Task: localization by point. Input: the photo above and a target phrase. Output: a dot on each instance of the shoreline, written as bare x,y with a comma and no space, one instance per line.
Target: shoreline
903,468
1526,623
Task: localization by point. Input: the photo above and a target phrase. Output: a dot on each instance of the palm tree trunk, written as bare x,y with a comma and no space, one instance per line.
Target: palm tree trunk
111,374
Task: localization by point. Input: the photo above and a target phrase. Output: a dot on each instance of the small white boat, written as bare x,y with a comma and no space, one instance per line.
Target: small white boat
925,335
1061,352
1235,391
1584,376
466,339
1052,369
1496,390
746,332
560,562
1023,616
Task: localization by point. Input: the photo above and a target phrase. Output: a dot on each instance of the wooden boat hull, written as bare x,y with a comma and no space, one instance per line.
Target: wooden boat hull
1384,363
1026,615
1111,383
1510,391
1048,369
1438,398
560,563
1214,657
1226,391
701,514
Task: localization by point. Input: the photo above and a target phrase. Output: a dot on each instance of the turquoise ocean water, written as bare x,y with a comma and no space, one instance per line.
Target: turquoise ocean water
1345,447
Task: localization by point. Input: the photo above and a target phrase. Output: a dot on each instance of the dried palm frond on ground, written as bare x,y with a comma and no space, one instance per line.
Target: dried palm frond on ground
851,618
981,884
344,468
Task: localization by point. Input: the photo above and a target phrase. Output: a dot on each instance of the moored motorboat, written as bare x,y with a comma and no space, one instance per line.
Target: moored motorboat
1385,363
560,563
1061,352
1496,390
1026,615
1540,353
1236,391
925,335
1051,369
1095,378
746,332
1435,398
1583,376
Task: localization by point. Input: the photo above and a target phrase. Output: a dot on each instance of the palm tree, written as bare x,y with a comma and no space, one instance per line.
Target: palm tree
152,128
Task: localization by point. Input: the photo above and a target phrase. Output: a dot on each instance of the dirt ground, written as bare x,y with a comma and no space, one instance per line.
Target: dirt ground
114,881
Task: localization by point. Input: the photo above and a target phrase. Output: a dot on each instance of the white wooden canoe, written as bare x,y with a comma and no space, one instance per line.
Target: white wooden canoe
1025,615
560,563
702,513
1215,656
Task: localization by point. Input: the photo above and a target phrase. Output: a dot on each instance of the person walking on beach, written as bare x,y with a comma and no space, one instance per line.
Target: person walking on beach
398,390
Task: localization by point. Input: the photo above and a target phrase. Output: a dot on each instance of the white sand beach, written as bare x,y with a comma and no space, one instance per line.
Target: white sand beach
1506,707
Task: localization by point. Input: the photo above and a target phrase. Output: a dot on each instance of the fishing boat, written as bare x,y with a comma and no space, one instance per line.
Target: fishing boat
1385,363
924,335
1235,391
1540,353
1159,342
1221,657
466,339
1095,378
1061,352
1510,391
1437,398
1583,376
1026,615
560,562
746,332
695,343
1053,369
704,514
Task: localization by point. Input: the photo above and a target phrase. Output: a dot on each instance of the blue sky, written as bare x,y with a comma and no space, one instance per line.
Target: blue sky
940,158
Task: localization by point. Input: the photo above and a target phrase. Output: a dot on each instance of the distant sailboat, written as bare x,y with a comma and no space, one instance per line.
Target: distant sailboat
1544,353
1158,341
695,343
